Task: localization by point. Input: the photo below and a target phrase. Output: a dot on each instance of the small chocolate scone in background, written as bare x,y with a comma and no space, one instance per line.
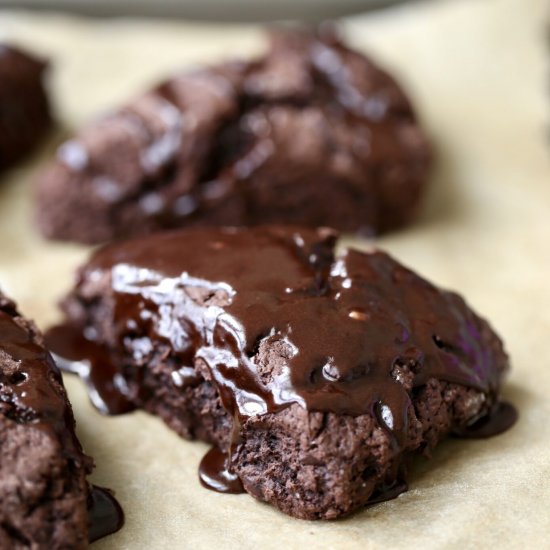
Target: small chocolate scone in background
314,375
45,500
24,107
311,133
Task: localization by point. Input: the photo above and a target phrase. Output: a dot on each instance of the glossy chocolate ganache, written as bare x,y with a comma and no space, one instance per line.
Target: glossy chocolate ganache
32,396
271,318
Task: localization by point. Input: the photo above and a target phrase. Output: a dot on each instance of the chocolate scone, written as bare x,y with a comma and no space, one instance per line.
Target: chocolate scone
45,500
314,375
311,133
24,108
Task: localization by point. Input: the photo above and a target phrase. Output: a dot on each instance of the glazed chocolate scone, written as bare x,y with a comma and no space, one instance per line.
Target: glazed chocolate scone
24,109
45,500
314,375
311,133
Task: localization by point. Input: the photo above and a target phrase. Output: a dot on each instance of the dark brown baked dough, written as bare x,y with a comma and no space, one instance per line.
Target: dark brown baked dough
43,488
317,375
24,109
311,133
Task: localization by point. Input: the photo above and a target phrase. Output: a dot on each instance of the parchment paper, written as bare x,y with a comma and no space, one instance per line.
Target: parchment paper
477,70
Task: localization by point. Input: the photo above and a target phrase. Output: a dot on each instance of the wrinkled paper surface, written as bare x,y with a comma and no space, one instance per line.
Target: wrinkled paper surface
477,72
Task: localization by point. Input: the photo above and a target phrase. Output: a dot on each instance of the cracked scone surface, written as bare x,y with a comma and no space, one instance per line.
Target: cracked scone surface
311,132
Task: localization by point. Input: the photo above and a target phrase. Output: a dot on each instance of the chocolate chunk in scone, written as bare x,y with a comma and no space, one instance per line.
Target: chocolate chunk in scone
45,500
310,133
314,375
24,109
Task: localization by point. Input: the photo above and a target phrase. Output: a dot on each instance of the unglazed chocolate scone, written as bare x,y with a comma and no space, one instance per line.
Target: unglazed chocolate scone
24,110
310,133
313,375
45,500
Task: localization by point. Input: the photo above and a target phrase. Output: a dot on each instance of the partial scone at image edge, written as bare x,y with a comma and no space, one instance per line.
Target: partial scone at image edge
315,375
311,132
24,106
42,467
45,499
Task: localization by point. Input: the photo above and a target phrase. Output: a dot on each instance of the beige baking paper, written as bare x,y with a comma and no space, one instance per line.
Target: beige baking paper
477,70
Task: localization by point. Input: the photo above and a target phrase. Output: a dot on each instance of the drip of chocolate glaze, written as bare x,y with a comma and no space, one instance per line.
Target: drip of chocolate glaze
215,473
105,514
343,324
76,354
501,418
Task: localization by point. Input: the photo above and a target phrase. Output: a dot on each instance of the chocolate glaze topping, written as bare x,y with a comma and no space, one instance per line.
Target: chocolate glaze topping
32,393
106,515
215,473
346,326
502,417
